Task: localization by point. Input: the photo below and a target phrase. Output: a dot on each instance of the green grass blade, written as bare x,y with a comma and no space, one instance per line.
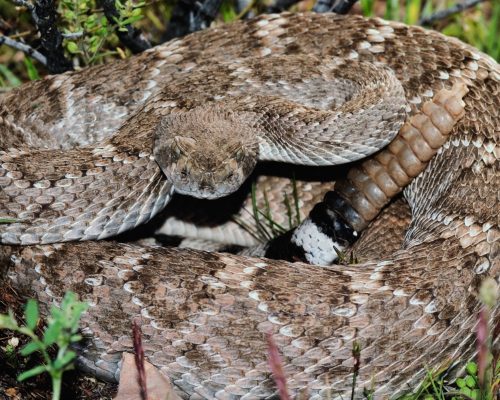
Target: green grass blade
412,11
31,69
296,200
288,207
392,10
11,78
367,7
8,220
276,228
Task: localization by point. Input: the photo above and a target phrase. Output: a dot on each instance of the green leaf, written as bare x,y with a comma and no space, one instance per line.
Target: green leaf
471,368
31,313
52,333
102,31
69,15
8,321
461,382
31,347
94,48
94,40
56,314
137,12
70,312
72,47
64,360
91,20
32,372
130,20
75,338
470,381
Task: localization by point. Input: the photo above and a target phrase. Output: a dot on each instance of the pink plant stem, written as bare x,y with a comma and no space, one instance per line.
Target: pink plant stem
277,367
482,345
139,360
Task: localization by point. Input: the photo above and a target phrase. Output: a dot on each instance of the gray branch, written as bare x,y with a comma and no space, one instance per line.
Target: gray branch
190,16
449,11
336,6
23,3
278,6
44,15
72,35
29,6
30,51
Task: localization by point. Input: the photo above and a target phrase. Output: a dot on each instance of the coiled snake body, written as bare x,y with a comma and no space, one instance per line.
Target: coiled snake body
204,315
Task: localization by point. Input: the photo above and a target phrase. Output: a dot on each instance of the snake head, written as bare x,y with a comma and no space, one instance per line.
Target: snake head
204,153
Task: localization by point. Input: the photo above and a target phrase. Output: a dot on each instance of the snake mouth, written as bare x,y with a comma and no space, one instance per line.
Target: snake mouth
208,193
205,186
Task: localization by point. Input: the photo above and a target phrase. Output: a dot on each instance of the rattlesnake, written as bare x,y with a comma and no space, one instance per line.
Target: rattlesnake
204,315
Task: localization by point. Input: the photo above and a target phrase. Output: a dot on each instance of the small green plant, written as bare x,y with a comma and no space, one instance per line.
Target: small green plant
466,387
475,28
61,331
89,35
10,352
482,378
469,384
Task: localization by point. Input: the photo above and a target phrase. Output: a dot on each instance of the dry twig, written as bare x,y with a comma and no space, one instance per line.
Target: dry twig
336,6
26,49
449,11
